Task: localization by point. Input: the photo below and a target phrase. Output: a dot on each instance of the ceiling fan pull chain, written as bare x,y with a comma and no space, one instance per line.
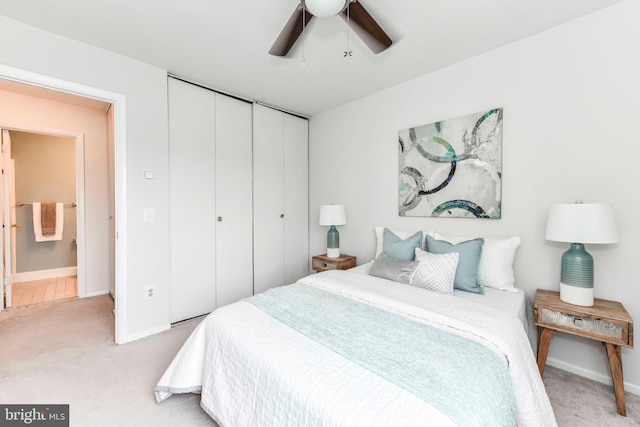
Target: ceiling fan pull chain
304,61
348,52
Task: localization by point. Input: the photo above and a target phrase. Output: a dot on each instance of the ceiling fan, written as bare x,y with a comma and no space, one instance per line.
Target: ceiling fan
350,10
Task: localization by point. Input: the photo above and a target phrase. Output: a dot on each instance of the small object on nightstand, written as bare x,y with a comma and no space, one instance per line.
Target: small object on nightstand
323,262
333,215
606,321
577,224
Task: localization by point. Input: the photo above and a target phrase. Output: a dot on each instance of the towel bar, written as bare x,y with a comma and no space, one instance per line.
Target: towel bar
72,205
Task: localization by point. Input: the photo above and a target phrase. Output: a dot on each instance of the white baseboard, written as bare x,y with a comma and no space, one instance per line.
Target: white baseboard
149,333
29,276
604,379
96,294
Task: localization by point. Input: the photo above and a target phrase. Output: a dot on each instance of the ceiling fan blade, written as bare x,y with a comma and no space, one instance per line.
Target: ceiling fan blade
290,33
366,27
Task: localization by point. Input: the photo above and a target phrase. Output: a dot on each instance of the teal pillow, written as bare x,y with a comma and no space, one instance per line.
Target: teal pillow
404,250
467,272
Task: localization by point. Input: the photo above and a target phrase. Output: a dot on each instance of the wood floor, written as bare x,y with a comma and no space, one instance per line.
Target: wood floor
45,290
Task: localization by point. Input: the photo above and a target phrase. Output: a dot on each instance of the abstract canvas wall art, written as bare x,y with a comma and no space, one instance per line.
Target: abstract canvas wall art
452,168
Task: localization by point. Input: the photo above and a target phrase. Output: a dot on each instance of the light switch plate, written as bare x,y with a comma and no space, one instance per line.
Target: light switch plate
149,214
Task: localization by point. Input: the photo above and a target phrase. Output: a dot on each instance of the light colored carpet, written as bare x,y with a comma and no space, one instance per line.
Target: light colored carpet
581,402
64,353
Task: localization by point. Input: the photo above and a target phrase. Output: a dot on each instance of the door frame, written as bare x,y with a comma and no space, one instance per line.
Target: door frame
80,207
6,193
120,176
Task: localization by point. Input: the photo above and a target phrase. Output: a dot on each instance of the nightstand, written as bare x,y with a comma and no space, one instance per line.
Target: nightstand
323,263
607,322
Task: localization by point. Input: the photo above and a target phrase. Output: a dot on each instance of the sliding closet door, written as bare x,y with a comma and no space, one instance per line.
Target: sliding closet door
192,131
281,202
296,198
234,221
268,193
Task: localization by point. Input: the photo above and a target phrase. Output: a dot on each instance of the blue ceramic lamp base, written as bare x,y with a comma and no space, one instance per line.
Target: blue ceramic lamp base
333,242
576,281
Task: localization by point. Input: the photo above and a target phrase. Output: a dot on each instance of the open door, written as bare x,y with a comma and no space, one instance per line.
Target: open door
112,203
7,220
12,216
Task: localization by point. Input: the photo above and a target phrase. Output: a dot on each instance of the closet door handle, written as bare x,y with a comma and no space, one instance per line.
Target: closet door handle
219,219
281,215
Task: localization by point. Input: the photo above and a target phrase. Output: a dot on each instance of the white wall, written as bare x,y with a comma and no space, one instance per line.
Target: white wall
571,123
145,88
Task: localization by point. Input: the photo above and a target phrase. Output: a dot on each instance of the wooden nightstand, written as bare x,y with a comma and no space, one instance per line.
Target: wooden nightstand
323,263
607,322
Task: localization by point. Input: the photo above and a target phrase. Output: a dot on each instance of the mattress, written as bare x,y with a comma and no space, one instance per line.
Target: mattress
513,303
254,369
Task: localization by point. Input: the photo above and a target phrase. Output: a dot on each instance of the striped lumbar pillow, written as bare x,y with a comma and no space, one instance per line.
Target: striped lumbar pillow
435,272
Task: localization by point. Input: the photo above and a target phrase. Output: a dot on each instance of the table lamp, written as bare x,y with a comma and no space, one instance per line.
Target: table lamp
578,224
333,215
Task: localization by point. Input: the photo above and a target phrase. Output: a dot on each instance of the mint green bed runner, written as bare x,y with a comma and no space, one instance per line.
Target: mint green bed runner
461,378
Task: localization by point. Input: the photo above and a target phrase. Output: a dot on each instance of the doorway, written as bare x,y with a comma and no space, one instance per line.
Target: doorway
81,95
42,175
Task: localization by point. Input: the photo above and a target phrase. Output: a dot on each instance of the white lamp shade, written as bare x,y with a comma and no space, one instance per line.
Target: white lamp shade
582,223
332,215
325,8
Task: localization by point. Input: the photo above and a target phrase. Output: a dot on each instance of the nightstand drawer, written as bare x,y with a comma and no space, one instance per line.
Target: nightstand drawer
607,330
322,265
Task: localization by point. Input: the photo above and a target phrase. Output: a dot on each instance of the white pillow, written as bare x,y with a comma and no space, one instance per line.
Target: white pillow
401,234
435,272
496,262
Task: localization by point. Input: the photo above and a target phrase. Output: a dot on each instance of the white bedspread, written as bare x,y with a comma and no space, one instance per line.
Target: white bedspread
513,302
252,370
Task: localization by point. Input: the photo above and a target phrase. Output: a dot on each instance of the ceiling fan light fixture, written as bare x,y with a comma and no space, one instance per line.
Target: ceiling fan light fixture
364,26
325,8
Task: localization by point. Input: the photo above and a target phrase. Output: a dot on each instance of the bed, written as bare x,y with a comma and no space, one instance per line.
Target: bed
348,348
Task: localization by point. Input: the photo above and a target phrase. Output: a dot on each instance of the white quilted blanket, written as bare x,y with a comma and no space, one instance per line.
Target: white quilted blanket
253,370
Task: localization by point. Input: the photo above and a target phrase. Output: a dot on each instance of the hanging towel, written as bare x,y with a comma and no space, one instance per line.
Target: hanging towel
39,222
48,218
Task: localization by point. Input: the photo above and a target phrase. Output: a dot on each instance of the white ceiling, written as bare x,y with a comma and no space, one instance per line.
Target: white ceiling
224,44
